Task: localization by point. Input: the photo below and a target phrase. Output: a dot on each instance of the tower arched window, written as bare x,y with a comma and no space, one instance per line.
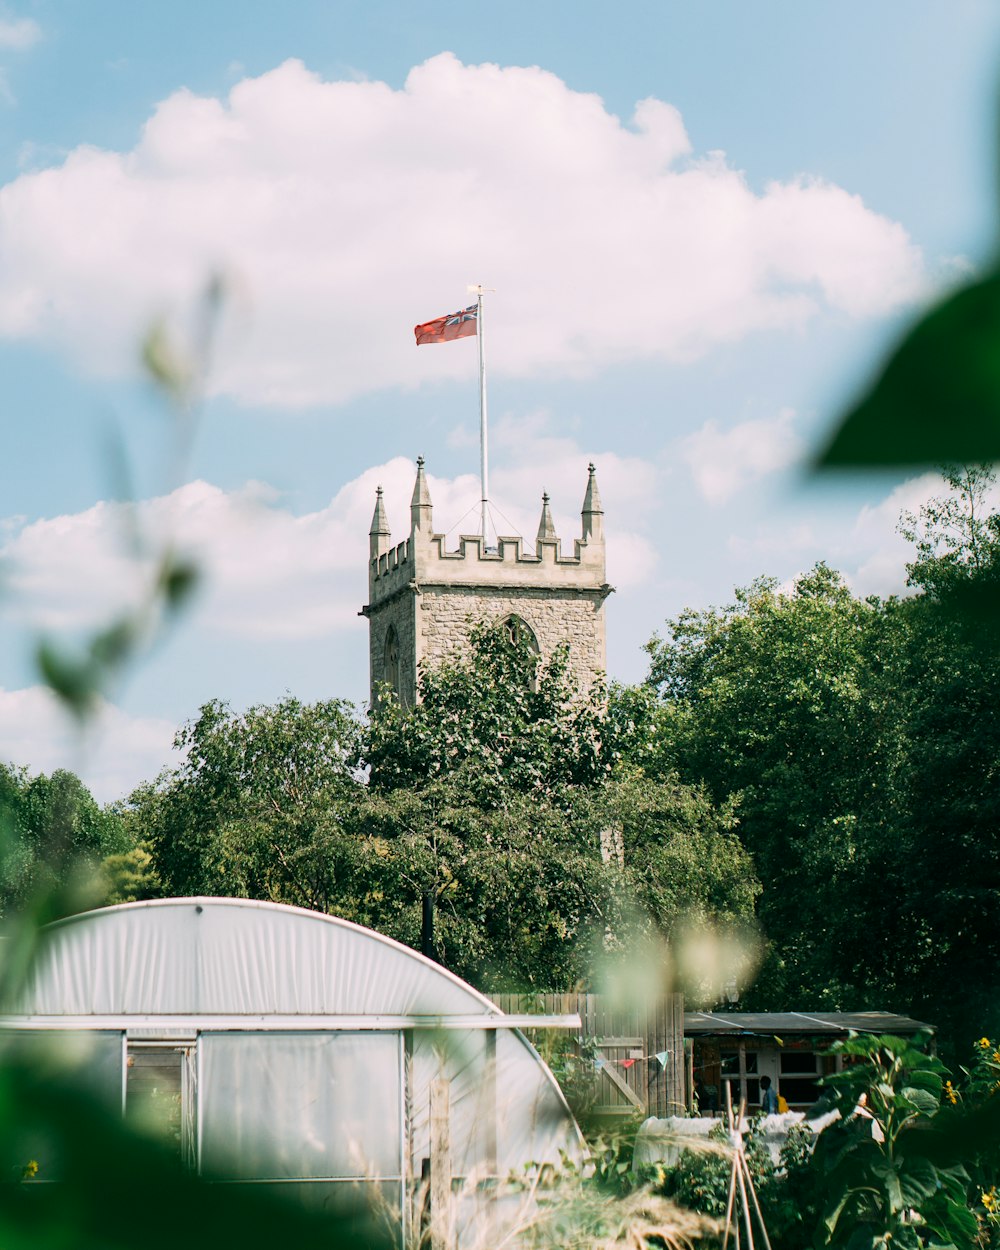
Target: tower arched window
390,664
520,634
518,631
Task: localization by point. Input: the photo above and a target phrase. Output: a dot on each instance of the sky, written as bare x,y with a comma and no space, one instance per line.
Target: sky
703,226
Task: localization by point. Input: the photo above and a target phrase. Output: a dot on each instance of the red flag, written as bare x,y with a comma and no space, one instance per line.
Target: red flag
443,329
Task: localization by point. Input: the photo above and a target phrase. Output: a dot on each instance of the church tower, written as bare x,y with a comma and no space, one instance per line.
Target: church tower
423,599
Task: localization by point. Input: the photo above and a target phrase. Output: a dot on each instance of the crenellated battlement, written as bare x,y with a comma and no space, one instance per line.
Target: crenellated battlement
423,595
396,558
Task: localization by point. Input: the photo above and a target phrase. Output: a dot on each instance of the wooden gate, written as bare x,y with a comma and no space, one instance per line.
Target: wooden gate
636,1057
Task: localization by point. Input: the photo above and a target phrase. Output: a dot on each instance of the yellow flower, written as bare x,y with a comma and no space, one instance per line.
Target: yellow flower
30,1169
949,1091
996,1056
989,1199
984,1042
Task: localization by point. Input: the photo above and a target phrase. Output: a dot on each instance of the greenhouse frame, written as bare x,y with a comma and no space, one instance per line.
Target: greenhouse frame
286,1047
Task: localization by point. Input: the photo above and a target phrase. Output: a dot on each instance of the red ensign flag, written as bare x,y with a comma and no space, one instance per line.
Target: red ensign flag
443,329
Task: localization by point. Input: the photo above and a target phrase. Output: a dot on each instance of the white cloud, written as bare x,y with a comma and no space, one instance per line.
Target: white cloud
119,752
882,568
866,547
268,573
351,211
723,462
19,33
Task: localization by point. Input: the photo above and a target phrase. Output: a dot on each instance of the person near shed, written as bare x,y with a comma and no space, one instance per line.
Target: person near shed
768,1097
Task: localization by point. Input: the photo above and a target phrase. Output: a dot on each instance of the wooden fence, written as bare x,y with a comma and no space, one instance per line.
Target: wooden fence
637,1057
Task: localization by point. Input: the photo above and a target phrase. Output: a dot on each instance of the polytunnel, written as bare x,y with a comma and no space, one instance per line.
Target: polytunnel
297,1049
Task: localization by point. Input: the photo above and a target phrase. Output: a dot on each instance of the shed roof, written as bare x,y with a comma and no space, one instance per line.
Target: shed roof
780,1023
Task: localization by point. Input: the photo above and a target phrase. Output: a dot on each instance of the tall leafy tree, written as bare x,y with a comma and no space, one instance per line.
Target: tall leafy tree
254,792
782,698
947,872
862,742
488,805
516,721
51,827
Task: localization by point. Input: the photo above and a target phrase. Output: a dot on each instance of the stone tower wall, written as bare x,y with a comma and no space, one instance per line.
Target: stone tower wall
398,613
445,614
432,596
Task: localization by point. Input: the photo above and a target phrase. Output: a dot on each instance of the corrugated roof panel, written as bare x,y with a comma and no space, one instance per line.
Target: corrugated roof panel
778,1023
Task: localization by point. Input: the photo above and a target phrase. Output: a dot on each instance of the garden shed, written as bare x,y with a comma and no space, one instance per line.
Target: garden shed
791,1047
279,1046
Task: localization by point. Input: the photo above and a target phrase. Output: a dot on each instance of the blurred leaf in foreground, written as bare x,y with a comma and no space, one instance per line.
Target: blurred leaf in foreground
115,1188
937,399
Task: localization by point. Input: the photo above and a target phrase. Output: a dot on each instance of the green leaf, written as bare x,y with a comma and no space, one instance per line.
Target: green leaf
938,397
925,1102
178,580
918,1181
959,1222
921,1078
73,681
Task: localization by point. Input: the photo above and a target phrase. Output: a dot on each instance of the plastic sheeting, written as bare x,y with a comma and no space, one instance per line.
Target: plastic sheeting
232,957
663,1141
313,1109
322,1106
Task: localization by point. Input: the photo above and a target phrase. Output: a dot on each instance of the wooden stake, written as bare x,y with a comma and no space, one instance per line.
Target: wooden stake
441,1204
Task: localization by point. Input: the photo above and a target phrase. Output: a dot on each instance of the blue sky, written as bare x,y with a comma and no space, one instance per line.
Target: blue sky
704,224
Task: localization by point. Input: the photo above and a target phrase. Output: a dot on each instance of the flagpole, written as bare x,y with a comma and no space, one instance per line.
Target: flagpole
483,433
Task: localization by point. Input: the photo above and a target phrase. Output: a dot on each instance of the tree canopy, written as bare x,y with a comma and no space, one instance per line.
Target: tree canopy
861,741
490,803
51,827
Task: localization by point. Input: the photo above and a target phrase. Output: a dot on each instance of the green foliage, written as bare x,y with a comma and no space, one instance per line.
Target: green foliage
780,700
130,876
885,1177
938,396
861,743
256,795
515,722
788,1193
489,800
980,1094
51,830
700,1178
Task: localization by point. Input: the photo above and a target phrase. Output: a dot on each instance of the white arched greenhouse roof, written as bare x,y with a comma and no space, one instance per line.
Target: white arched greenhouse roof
234,957
304,1050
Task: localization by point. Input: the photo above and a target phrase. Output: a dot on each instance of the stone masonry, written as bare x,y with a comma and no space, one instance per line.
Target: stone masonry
423,599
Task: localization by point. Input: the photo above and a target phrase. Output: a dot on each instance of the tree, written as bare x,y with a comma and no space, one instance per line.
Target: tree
486,807
517,722
947,870
503,783
52,830
254,793
782,699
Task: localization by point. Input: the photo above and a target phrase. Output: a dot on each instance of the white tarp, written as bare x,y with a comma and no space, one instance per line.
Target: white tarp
663,1140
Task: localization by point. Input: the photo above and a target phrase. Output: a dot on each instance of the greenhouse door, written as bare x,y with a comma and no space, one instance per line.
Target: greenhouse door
160,1092
320,1114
